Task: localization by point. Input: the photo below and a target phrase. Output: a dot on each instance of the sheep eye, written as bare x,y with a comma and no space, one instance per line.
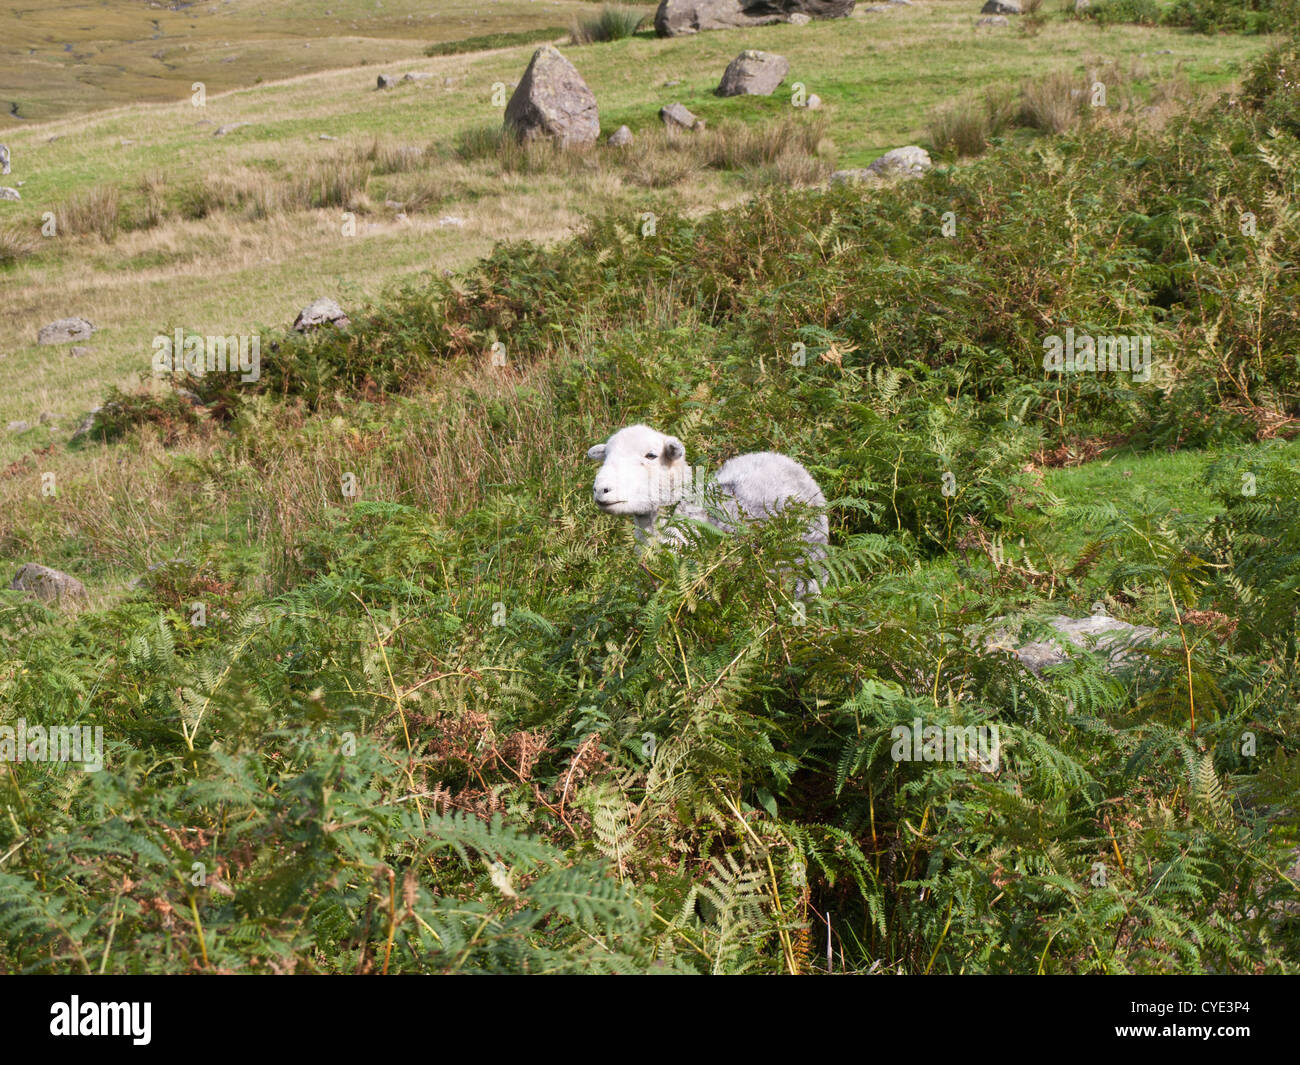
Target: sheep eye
652,455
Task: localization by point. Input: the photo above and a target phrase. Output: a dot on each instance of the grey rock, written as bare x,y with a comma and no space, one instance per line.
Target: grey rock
65,331
676,117
221,131
385,81
552,100
620,138
993,20
1117,640
1001,7
79,352
416,77
17,427
677,18
4,159
319,312
798,18
47,584
909,162
814,102
753,73
6,193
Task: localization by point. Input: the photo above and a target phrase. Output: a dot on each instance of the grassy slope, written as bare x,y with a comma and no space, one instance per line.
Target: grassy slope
71,56
879,75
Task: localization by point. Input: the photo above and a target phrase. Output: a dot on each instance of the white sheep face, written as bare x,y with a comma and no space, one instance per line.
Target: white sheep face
641,470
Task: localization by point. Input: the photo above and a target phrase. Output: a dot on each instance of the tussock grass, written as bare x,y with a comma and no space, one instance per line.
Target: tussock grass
94,212
15,244
613,23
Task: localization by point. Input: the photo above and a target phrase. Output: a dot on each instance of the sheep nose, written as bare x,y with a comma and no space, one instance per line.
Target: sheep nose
602,491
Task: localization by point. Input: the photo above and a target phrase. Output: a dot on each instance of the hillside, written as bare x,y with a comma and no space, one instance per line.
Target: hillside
380,689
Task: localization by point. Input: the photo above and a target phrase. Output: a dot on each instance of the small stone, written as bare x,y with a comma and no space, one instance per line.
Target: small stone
221,131
7,193
620,138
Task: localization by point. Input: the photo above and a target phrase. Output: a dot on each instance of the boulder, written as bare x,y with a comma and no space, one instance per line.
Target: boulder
620,138
676,117
552,100
385,81
1100,632
1001,7
319,312
753,73
6,193
416,77
47,584
4,159
909,162
65,331
677,18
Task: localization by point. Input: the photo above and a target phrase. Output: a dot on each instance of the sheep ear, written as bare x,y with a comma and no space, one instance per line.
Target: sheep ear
596,453
673,449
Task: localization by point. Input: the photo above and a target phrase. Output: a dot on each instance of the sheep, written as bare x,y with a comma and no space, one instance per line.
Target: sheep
643,473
